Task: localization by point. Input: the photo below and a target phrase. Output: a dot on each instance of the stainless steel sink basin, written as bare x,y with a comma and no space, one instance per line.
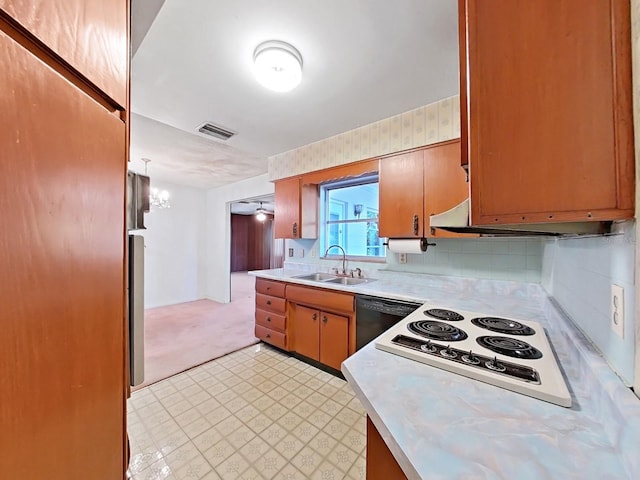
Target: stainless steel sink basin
350,280
317,277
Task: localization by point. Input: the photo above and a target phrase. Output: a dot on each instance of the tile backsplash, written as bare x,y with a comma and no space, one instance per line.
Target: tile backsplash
578,274
429,124
517,259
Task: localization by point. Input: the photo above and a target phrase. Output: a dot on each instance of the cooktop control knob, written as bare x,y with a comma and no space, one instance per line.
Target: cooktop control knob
448,352
470,358
495,365
428,347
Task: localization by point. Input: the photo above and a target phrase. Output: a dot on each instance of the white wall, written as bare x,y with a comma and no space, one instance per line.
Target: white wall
174,246
218,232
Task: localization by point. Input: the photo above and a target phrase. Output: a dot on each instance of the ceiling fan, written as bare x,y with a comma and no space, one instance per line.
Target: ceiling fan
261,213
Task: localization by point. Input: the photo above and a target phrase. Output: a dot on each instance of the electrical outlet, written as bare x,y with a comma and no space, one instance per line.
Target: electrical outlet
291,252
617,310
402,258
301,252
313,253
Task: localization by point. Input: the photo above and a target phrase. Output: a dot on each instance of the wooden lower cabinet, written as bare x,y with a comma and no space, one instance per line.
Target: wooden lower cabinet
381,464
307,336
271,313
334,339
321,336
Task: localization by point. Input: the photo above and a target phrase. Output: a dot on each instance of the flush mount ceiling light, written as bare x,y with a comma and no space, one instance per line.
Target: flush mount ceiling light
277,66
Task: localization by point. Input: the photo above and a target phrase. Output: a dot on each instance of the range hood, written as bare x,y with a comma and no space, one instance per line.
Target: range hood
457,220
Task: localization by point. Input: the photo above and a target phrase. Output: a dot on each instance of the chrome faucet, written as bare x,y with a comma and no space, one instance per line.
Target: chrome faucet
344,257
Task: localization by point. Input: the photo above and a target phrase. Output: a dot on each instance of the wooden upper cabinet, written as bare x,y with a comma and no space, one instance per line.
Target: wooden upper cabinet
90,36
445,184
420,183
400,192
546,110
296,210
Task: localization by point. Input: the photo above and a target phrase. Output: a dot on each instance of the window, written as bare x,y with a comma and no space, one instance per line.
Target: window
349,217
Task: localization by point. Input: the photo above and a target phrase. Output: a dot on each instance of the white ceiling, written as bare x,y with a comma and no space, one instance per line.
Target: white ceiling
363,60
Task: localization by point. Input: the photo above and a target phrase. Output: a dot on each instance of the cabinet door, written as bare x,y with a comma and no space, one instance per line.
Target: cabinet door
287,210
445,183
334,339
62,347
381,464
548,110
400,186
306,331
91,36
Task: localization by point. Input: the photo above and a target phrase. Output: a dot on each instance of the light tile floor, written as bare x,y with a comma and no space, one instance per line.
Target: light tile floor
253,414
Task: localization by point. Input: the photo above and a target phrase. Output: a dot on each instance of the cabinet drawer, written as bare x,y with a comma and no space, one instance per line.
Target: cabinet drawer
271,320
273,304
267,335
325,299
269,287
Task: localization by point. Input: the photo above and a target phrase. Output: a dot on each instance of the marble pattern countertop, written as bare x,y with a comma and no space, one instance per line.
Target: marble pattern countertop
441,425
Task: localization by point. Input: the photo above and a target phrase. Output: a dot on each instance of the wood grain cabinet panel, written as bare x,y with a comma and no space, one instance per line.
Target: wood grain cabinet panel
307,332
400,192
381,464
318,332
271,313
270,287
445,184
334,339
321,336
296,209
321,297
547,122
415,185
62,286
90,36
268,302
273,337
271,320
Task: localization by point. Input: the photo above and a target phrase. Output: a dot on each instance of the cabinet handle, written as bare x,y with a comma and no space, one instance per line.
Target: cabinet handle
268,335
416,224
314,316
324,319
268,288
294,230
268,319
268,302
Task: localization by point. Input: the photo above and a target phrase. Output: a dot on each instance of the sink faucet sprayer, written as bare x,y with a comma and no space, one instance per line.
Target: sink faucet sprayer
344,257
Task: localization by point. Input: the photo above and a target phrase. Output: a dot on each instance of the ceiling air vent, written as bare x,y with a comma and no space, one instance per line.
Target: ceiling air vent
215,131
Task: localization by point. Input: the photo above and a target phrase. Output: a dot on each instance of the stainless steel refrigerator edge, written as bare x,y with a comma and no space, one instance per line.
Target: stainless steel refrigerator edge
137,205
136,309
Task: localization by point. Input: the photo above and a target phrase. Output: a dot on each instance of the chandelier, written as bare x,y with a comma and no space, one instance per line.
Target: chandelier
157,198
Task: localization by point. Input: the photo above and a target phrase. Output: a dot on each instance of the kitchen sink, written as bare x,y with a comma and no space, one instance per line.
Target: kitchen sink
318,277
350,280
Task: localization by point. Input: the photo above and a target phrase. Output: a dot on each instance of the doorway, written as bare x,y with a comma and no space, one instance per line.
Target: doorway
253,246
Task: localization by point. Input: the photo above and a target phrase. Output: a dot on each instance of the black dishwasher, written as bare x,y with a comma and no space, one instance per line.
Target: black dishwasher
375,315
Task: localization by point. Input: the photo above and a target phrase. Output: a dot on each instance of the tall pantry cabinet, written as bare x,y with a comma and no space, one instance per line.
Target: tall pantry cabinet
63,143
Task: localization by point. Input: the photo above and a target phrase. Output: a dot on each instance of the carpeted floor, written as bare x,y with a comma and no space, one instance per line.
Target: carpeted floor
179,337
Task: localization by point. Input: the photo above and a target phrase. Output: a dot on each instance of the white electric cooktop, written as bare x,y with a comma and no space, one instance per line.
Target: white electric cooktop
503,351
